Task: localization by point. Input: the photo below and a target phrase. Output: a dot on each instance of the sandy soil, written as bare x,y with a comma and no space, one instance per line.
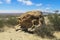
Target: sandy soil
11,34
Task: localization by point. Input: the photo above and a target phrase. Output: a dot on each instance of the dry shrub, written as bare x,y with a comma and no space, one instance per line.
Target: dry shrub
55,21
45,32
1,24
12,21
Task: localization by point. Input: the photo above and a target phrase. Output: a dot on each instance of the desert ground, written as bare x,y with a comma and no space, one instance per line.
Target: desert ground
11,34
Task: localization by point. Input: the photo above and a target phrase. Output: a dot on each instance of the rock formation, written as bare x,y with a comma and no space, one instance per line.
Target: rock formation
31,20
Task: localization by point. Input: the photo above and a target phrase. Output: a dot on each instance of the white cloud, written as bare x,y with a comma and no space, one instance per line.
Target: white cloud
8,1
27,2
47,9
40,4
1,2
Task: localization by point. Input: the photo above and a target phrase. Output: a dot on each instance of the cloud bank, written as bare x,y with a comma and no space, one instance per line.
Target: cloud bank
8,1
26,2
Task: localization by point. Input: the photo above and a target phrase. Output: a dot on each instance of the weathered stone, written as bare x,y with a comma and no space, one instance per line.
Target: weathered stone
31,19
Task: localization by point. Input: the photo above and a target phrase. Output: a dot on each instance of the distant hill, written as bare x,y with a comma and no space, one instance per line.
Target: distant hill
18,14
9,14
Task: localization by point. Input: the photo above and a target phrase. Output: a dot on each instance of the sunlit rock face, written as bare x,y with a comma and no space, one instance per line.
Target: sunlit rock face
31,20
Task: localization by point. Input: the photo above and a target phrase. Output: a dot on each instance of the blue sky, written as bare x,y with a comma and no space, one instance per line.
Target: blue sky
28,5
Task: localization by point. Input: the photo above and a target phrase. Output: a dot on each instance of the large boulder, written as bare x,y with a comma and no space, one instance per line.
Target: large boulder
31,20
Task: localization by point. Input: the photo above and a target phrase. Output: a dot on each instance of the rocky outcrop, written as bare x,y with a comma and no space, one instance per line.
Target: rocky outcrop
31,20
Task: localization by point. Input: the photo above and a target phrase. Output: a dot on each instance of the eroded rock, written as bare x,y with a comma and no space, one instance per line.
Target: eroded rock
31,20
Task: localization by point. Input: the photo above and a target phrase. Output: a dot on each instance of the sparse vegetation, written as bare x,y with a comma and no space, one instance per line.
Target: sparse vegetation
1,24
55,21
10,20
45,32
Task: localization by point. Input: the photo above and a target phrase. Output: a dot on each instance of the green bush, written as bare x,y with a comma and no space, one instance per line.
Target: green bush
55,21
12,21
1,24
45,32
